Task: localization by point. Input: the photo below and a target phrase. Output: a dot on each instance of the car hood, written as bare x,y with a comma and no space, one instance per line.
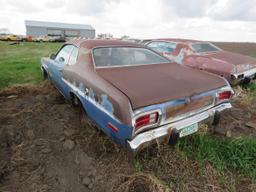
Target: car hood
153,84
242,62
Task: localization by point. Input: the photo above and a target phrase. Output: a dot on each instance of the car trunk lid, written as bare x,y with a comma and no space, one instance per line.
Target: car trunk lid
242,62
153,84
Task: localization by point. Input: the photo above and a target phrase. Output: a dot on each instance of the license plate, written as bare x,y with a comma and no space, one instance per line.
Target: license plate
189,130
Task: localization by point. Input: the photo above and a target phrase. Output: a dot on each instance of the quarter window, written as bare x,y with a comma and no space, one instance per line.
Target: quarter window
73,56
64,53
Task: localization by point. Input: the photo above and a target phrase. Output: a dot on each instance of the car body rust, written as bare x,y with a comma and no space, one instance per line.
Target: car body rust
135,104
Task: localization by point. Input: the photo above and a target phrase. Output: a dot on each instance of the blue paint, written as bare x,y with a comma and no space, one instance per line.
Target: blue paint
81,87
163,106
91,94
102,119
93,109
106,104
54,70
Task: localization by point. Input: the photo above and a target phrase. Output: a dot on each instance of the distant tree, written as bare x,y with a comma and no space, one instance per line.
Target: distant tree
125,37
105,36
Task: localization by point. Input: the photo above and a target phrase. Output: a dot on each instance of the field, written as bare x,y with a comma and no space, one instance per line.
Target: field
44,146
20,63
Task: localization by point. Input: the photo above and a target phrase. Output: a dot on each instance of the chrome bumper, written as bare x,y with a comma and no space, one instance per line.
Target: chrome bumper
161,133
250,74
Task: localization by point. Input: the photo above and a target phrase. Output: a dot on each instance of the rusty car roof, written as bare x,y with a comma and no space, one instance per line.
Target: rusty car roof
92,43
178,40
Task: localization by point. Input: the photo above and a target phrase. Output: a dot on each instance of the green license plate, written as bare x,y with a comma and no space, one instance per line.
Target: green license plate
189,130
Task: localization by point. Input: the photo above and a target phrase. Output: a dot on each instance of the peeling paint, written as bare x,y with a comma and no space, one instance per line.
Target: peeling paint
106,104
81,87
91,94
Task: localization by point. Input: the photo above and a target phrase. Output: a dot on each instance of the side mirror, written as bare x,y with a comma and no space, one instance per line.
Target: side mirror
52,56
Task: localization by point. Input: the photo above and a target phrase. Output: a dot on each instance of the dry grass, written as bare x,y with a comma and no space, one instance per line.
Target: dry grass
139,182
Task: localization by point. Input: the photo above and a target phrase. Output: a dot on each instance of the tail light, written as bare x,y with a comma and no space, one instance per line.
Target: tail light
224,95
146,120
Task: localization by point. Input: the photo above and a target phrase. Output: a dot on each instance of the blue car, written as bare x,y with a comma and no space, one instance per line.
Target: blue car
132,93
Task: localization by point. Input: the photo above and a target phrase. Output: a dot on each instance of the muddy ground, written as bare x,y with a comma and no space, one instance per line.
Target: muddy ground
44,147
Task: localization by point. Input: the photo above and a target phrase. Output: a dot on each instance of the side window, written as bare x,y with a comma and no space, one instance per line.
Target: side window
73,56
154,46
64,53
140,56
162,46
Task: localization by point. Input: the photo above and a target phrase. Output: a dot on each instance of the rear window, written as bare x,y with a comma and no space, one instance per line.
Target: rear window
204,47
123,56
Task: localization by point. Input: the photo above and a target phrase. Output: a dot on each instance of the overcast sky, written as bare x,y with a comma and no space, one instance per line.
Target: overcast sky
219,20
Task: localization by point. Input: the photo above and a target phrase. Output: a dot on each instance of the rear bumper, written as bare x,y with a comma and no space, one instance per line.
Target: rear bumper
163,133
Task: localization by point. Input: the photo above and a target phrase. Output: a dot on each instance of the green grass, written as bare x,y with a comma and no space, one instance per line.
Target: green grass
251,86
21,63
223,153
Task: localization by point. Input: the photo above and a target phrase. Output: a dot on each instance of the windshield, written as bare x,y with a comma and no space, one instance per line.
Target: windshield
123,56
204,47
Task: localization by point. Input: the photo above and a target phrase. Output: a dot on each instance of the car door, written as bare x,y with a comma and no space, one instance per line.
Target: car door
56,66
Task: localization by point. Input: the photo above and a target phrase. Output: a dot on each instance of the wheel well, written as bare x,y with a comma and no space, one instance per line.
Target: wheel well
74,99
45,74
72,95
76,102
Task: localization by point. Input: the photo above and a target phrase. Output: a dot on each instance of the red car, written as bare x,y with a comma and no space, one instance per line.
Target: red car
208,57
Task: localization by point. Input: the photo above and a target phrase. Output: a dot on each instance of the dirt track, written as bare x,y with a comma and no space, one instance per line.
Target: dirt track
44,147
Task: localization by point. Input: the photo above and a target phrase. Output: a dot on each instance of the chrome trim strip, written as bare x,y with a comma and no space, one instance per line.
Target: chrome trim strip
162,106
151,135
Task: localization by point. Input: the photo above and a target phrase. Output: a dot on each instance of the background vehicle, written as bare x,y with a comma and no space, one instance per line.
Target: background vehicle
57,39
206,56
12,38
135,95
3,37
41,39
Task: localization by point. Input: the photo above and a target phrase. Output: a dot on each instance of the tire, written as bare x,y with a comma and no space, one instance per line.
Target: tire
45,75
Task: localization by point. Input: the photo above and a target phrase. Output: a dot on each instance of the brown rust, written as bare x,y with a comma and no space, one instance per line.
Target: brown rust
185,108
155,84
223,63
